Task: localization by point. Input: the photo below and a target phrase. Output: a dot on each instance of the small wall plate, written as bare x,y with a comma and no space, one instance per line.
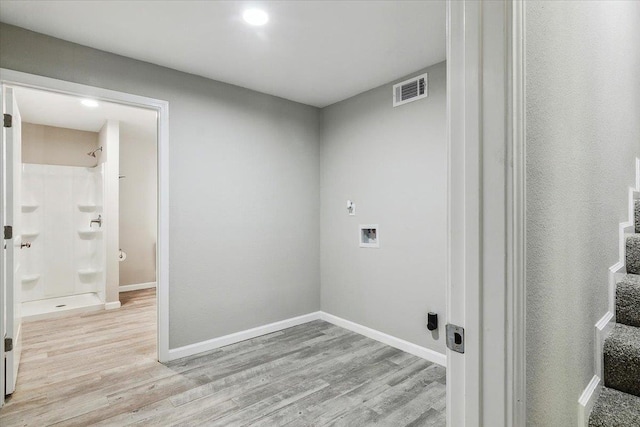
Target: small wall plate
351,208
369,235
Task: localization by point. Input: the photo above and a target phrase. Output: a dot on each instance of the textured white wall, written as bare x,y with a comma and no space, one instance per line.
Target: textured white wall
393,163
583,133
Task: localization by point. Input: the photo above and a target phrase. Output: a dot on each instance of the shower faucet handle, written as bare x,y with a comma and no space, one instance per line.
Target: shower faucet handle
97,221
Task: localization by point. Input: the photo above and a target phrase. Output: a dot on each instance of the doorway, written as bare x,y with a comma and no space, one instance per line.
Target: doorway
66,256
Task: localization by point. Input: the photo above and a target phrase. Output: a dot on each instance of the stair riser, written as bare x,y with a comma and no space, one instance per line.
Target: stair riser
622,366
628,304
615,409
627,383
633,254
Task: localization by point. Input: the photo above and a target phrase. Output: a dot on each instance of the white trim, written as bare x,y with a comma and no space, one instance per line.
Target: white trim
112,305
416,350
516,240
136,287
615,271
212,344
457,92
587,400
162,107
485,211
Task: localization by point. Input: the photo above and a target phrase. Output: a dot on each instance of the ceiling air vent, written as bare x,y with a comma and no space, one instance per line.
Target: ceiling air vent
410,90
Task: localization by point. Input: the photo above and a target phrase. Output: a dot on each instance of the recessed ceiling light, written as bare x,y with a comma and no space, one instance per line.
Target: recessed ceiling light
255,17
89,103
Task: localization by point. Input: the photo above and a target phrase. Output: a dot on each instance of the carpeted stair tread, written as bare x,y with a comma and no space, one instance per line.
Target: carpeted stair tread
622,359
615,409
632,253
636,215
628,300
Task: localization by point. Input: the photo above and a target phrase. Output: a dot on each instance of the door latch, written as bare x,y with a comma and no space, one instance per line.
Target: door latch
455,338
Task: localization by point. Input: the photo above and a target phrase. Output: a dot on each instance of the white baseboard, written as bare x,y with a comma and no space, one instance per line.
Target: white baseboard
616,271
200,347
587,400
212,344
416,350
136,286
111,305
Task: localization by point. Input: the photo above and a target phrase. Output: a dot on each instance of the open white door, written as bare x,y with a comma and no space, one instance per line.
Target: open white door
12,149
3,296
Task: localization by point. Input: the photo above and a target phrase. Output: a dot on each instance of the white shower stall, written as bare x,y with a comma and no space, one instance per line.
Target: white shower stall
69,225
62,219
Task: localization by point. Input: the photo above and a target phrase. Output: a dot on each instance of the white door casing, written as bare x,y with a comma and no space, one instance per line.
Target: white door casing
17,78
485,385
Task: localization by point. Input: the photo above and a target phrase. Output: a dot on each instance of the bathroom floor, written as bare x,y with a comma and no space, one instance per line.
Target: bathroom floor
61,306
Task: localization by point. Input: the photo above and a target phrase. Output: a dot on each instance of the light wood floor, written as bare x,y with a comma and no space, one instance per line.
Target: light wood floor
99,368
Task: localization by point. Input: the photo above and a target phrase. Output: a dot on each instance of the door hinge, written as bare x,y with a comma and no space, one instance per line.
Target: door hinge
8,120
8,232
8,344
455,338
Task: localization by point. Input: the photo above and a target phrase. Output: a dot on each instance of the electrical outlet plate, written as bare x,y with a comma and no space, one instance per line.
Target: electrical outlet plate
351,208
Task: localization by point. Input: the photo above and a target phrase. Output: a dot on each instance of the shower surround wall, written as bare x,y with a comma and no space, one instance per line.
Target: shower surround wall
66,254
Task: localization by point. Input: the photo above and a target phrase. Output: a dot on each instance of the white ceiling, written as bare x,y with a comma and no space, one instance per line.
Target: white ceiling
66,111
314,52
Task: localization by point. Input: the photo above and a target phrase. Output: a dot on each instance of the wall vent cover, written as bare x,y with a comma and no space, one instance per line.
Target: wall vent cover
410,90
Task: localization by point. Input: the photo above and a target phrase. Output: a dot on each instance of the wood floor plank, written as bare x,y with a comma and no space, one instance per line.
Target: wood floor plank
280,369
418,408
99,368
329,410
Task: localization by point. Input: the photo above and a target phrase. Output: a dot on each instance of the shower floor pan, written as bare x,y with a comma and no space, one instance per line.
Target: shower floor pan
60,306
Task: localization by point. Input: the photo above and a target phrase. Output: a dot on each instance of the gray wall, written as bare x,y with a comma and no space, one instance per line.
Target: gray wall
392,163
244,187
138,205
583,134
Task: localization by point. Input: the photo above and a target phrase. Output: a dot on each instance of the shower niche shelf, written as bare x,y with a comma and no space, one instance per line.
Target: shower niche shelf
29,235
89,234
88,271
87,207
30,207
30,278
